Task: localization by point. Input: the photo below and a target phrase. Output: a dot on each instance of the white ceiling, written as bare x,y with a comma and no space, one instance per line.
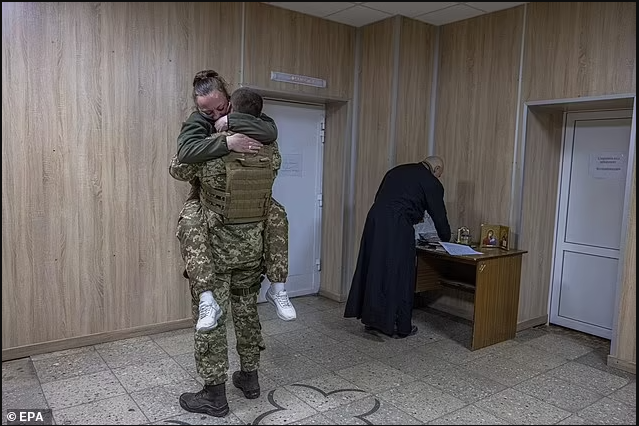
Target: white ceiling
364,13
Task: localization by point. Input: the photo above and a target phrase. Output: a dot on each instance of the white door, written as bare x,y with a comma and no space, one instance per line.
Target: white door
589,223
298,187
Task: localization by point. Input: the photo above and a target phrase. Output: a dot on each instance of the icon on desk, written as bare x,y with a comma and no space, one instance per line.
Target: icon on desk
504,237
497,236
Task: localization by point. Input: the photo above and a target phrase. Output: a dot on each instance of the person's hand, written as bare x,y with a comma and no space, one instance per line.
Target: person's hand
222,124
242,143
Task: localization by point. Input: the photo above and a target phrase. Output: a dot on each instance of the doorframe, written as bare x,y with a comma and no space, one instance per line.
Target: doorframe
319,180
331,290
586,103
567,134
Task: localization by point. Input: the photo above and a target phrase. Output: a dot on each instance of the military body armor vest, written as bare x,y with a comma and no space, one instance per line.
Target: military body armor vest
249,185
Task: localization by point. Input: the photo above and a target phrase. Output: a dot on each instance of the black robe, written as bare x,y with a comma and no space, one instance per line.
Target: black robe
383,286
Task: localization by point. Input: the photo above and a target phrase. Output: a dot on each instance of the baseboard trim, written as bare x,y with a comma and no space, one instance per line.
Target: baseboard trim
337,297
533,322
630,367
92,339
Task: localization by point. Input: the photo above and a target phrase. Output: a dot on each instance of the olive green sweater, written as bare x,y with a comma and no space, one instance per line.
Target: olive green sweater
198,141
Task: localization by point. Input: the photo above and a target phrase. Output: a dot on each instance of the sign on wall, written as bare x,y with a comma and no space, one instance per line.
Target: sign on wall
297,79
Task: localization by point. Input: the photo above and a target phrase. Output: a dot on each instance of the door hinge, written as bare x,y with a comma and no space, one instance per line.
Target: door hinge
318,263
320,199
322,131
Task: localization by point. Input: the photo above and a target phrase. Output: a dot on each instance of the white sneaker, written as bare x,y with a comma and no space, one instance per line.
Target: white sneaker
285,309
210,312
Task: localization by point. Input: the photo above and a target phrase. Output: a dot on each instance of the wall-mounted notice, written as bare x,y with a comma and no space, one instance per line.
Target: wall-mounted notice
607,165
291,165
297,79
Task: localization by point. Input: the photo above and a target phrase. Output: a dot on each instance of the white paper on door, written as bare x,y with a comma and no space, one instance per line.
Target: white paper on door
607,165
291,165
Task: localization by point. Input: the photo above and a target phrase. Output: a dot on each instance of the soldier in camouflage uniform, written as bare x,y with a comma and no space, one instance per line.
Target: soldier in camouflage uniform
237,252
199,142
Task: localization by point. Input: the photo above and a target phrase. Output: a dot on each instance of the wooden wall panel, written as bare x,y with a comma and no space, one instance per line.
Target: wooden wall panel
374,119
416,57
579,49
624,350
541,178
475,117
51,197
337,153
208,35
95,94
287,41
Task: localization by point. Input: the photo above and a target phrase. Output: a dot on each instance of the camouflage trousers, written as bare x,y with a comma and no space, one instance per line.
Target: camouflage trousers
276,243
195,246
238,289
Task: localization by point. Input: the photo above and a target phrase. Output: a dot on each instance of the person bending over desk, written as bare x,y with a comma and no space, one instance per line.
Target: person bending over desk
382,290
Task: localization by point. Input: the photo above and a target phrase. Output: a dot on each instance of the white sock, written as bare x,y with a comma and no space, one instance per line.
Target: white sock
207,296
277,287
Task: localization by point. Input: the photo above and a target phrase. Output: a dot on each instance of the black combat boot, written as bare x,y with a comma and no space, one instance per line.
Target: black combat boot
247,382
211,400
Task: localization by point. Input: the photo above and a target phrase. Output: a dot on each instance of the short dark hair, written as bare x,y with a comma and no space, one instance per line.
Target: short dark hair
247,101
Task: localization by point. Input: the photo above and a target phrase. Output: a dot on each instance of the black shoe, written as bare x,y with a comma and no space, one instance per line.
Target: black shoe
247,382
211,400
396,335
413,331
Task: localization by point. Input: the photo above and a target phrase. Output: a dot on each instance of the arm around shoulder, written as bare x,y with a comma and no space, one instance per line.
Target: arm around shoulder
263,129
197,142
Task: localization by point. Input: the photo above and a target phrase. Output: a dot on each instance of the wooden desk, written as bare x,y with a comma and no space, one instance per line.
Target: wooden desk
493,277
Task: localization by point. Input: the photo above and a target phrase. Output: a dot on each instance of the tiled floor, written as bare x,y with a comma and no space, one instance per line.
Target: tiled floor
324,369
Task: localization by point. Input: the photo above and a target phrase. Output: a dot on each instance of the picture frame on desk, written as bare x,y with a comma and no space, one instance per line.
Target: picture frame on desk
504,237
494,236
